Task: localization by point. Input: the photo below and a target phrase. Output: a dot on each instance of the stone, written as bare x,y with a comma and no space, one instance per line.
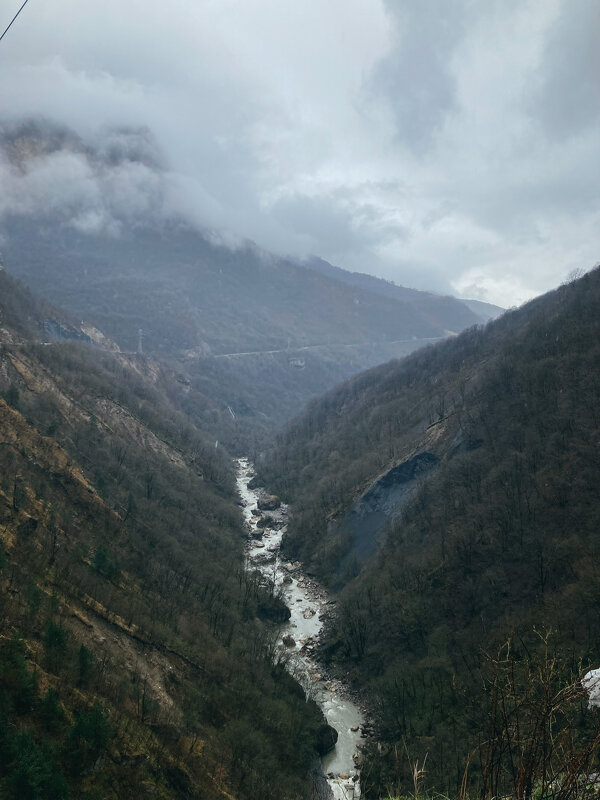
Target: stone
269,502
326,739
591,684
289,641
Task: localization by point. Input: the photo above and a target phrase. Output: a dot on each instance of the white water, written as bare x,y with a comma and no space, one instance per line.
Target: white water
303,596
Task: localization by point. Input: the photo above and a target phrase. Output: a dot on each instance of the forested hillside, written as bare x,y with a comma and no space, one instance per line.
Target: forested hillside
134,660
438,309
496,541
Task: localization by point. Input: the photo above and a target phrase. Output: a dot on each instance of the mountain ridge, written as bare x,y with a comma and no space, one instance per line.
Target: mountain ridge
493,548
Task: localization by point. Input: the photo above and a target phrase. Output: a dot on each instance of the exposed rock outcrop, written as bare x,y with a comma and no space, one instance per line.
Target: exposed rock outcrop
269,502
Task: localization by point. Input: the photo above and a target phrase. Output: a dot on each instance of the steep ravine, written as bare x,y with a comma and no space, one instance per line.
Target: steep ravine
309,604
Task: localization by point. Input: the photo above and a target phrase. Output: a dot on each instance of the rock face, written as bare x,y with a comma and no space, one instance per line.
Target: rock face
269,502
326,739
382,502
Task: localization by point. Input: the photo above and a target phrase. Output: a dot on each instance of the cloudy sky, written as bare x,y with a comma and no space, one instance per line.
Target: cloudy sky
444,144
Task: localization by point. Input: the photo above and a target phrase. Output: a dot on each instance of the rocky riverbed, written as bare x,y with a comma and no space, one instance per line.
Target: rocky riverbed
309,605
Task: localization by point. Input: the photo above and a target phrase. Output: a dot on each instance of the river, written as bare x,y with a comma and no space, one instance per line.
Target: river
309,604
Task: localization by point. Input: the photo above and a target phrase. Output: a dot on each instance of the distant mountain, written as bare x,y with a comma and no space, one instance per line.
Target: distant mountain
452,498
88,225
190,294
452,314
486,311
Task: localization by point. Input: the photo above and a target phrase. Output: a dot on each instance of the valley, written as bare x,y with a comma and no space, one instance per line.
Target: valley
299,400
432,541
275,530
230,320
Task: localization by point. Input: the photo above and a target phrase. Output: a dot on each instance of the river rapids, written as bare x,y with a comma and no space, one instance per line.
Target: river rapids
309,604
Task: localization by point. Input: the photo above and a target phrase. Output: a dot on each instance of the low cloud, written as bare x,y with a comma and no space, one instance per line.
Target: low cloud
414,79
442,144
565,96
93,186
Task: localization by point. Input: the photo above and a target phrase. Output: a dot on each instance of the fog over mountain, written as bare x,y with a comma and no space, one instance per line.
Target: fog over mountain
446,146
93,187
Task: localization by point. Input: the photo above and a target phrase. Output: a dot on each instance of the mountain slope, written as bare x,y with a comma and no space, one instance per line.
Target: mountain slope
133,658
495,540
452,314
486,311
88,225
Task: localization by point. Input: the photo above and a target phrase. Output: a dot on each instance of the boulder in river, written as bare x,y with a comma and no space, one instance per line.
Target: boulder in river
326,739
308,613
289,641
265,558
269,502
271,609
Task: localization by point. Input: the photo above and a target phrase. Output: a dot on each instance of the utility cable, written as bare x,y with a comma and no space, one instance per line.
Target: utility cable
13,19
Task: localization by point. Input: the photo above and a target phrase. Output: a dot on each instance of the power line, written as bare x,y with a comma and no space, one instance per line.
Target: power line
13,19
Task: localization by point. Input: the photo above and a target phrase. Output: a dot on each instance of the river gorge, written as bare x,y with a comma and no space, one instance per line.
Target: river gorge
309,605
